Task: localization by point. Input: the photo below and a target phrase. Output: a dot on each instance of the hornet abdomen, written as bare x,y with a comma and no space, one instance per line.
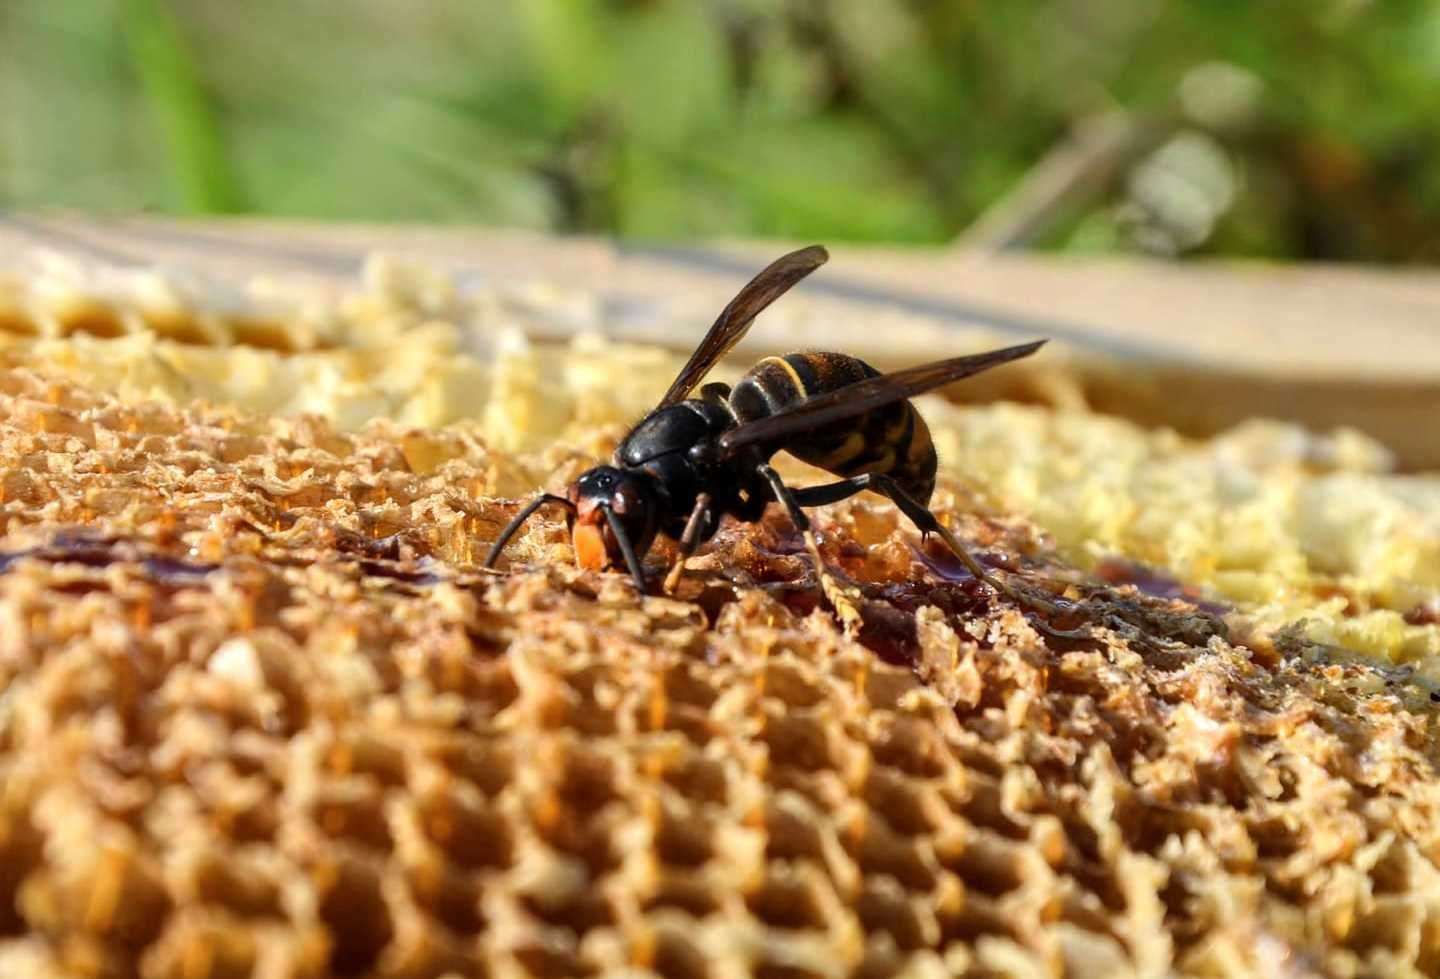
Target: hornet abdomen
890,439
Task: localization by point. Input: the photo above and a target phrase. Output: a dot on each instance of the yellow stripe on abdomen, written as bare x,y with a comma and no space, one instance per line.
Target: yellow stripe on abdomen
794,375
920,445
838,459
889,439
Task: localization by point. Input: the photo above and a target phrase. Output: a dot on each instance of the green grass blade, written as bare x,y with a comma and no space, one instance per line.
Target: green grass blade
174,88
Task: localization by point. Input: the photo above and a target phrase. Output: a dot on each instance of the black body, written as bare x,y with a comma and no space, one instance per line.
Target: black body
679,445
691,461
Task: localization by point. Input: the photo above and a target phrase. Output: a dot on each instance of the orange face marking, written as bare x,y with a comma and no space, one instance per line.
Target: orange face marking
589,542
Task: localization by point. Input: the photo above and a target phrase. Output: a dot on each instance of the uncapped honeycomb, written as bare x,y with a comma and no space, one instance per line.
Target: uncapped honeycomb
261,713
1315,531
263,716
1303,531
408,345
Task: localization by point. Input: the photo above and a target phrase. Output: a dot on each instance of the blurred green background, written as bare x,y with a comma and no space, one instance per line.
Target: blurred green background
1305,129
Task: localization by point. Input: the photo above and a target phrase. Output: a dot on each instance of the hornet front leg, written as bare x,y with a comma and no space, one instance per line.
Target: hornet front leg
689,540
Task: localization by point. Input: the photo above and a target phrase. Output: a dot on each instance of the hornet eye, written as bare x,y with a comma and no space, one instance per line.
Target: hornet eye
626,500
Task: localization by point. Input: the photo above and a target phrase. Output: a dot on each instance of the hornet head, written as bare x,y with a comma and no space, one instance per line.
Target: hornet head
617,513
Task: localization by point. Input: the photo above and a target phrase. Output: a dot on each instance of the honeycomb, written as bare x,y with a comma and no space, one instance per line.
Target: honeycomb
264,716
1297,528
408,344
1307,531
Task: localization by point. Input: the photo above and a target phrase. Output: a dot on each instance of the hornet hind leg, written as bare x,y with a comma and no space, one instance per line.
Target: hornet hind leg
924,521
